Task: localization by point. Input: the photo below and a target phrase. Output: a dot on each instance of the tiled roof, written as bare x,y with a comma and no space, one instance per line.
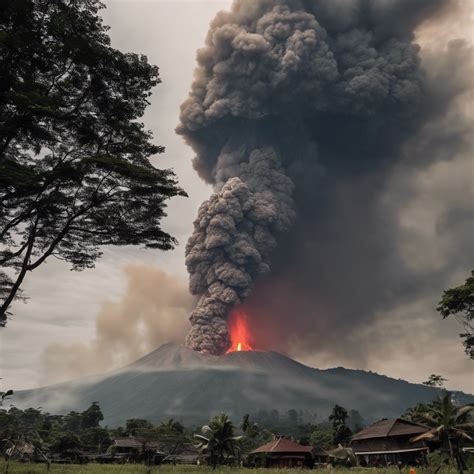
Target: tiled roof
283,445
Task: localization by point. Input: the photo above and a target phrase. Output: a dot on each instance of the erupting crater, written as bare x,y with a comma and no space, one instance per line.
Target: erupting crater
240,338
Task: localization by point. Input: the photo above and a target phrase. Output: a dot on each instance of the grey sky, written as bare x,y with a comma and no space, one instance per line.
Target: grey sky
412,343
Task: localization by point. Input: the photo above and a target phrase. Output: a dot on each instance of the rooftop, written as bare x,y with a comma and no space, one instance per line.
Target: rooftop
388,428
283,445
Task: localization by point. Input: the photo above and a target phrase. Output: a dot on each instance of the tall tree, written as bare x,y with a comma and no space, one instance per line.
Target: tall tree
459,302
217,439
75,169
341,432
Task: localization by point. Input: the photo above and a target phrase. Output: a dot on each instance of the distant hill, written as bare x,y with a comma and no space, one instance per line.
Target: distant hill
174,381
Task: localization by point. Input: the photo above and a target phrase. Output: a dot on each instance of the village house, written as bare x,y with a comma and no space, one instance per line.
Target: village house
390,442
282,453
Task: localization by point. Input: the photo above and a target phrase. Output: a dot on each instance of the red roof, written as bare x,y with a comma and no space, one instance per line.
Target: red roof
283,445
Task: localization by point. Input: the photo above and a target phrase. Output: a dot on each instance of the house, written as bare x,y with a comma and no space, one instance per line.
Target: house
282,453
136,449
390,442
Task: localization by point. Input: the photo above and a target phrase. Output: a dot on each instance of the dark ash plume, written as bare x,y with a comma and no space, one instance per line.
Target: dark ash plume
319,93
234,236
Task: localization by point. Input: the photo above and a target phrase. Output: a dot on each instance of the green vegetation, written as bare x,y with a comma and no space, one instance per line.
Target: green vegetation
459,302
75,169
79,437
137,469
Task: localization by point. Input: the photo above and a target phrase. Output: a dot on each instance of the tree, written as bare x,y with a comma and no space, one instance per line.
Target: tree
459,302
171,426
75,170
135,425
92,417
435,381
338,416
95,439
5,396
416,413
217,439
452,424
322,438
66,442
341,433
73,422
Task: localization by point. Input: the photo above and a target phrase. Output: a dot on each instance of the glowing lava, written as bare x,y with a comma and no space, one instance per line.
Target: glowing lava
239,332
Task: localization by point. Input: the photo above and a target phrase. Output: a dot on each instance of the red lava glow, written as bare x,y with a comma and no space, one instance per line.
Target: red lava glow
239,333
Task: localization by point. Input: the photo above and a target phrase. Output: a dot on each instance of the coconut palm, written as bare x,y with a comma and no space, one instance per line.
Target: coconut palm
217,439
451,424
171,425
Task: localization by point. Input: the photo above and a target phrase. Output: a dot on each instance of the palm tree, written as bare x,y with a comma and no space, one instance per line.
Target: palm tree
218,438
171,425
451,424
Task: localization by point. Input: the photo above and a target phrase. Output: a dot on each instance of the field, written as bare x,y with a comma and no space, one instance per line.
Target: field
15,468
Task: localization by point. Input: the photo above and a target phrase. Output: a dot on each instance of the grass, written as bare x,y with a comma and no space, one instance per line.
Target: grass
15,468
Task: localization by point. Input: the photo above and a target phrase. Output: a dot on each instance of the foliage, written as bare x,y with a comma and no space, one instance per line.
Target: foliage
322,438
75,170
19,468
254,435
218,440
171,426
96,439
341,433
459,302
92,417
136,425
451,423
5,396
338,416
435,381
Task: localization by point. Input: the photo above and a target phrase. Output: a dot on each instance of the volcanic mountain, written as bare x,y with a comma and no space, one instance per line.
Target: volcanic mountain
174,381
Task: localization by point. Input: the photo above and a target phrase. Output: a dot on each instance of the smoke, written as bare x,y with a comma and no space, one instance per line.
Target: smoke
153,310
233,239
333,99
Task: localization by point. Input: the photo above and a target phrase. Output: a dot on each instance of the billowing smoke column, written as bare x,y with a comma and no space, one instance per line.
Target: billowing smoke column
292,98
234,236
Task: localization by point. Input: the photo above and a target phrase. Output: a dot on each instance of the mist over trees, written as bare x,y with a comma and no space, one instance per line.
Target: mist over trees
75,170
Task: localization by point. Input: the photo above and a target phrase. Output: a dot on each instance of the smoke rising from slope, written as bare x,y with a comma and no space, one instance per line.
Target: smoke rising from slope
153,311
335,93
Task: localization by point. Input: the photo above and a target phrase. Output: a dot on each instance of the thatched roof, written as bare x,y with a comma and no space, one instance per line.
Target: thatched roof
391,428
283,445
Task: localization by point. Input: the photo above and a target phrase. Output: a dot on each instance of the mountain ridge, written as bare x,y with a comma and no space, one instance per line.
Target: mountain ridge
174,381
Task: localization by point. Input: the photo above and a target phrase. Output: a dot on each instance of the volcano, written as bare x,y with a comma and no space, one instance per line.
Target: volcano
174,381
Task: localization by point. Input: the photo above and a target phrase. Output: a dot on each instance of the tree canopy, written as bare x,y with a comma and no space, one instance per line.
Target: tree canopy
459,302
75,169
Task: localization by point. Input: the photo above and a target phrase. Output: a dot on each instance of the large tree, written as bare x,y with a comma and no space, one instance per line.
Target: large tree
75,170
459,302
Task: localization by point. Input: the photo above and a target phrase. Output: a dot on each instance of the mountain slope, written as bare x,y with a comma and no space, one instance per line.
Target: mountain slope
174,381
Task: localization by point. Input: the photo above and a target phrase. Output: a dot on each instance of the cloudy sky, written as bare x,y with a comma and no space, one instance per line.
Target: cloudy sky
90,322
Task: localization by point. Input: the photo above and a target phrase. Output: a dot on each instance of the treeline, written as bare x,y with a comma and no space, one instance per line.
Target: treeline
222,439
82,431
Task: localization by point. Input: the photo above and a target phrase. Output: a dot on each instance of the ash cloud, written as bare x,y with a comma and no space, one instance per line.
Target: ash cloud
340,98
153,311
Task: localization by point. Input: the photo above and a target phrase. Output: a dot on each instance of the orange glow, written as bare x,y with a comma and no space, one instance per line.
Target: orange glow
239,332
